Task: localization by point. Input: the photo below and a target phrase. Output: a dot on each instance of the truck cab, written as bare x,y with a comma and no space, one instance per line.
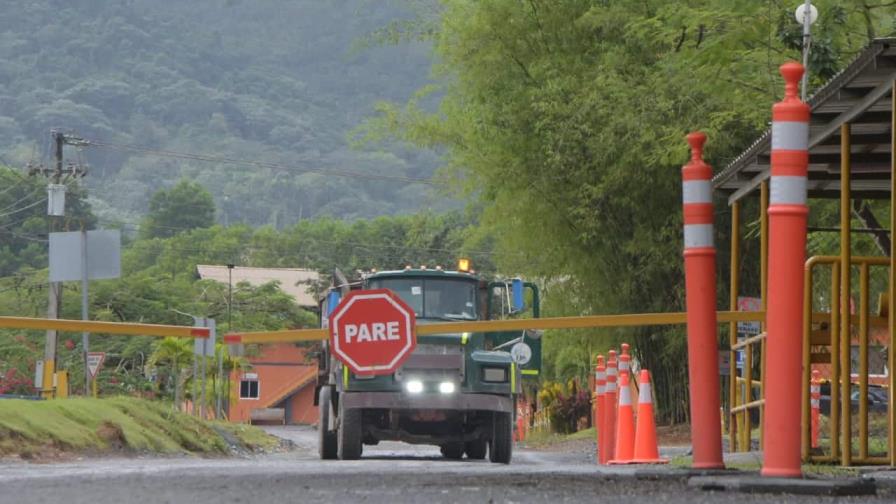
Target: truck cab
456,390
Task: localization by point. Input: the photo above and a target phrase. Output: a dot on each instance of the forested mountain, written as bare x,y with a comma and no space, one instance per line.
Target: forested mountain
279,82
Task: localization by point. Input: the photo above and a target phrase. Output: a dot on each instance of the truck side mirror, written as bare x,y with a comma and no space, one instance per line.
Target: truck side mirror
518,301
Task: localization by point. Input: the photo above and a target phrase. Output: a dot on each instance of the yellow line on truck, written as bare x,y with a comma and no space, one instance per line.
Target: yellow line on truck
627,320
92,326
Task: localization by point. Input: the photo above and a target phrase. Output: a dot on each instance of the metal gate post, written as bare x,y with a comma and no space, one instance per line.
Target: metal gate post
891,290
845,298
734,286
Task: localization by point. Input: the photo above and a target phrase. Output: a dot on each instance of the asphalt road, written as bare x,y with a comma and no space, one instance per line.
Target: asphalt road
388,473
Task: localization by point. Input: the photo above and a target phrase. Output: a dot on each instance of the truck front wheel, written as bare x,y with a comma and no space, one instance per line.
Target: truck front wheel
326,438
500,448
349,434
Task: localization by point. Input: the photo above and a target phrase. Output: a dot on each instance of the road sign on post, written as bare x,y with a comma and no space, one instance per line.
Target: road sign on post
372,331
99,256
94,362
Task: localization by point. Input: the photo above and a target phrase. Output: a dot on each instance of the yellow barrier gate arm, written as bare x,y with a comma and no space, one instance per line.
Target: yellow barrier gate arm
104,327
627,320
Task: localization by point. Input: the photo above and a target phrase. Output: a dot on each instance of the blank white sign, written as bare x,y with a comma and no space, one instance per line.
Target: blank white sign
103,255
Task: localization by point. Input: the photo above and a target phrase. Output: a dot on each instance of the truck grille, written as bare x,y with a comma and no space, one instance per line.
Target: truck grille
436,360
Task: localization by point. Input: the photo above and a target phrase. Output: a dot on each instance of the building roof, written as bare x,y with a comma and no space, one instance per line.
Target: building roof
293,281
860,95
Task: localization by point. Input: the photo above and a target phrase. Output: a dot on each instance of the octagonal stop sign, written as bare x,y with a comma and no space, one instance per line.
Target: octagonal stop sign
372,331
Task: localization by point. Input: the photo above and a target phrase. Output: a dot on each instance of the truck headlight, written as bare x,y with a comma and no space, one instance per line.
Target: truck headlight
414,386
447,387
494,374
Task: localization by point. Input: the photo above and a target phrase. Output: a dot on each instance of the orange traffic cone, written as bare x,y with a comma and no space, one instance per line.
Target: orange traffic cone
625,424
646,451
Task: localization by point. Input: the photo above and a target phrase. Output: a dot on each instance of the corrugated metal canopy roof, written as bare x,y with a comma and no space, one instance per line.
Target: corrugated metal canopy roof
859,95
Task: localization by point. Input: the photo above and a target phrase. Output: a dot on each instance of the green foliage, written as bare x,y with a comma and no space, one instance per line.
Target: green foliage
24,222
273,82
159,278
185,206
567,405
565,121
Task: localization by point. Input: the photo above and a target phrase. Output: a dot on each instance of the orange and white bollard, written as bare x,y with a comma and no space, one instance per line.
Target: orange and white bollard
609,429
700,286
600,385
815,401
625,424
787,215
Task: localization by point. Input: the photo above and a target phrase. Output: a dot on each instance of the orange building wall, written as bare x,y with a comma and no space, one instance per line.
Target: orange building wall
279,368
303,409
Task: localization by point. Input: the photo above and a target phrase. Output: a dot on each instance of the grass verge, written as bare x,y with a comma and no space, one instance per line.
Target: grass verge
545,439
48,429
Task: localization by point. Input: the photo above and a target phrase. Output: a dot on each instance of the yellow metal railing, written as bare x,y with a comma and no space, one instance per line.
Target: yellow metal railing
93,326
740,398
626,320
742,394
834,330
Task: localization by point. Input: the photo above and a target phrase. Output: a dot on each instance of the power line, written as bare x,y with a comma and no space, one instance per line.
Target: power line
24,207
34,238
13,186
36,191
410,248
260,164
23,198
15,222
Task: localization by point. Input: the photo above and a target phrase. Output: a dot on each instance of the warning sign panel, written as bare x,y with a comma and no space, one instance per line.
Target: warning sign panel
94,362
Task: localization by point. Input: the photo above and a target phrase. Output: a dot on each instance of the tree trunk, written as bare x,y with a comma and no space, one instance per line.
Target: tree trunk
176,369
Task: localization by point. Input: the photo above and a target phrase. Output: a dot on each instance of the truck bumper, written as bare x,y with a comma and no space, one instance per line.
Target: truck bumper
402,401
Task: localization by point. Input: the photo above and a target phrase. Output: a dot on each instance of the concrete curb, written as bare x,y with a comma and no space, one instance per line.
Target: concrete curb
680,474
758,484
661,473
885,482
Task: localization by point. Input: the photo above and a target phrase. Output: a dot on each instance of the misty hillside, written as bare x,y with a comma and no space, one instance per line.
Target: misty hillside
272,81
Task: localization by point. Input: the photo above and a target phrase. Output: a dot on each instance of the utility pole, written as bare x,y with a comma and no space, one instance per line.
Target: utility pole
219,403
56,210
806,14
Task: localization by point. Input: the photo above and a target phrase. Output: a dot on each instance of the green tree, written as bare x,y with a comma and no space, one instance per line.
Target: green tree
565,121
173,355
185,206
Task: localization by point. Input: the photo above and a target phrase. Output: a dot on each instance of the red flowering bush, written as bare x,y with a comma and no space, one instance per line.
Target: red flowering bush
14,382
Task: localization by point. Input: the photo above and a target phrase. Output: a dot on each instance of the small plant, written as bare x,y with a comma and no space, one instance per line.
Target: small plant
566,405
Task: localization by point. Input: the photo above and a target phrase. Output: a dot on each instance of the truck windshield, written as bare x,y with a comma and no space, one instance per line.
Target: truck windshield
434,298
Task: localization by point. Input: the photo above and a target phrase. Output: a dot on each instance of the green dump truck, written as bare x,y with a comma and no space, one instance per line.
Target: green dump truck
457,391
